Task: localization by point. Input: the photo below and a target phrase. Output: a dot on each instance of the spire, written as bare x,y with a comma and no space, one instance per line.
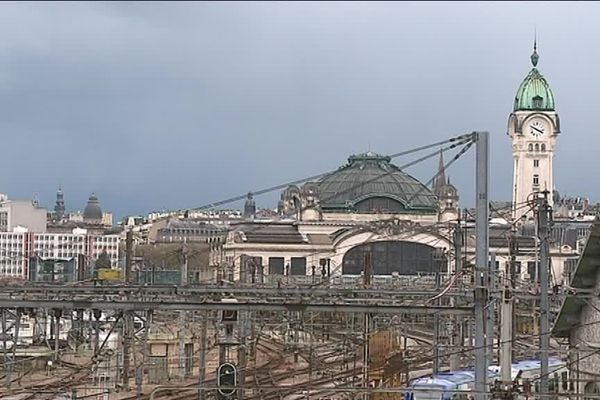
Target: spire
534,93
534,57
440,177
59,207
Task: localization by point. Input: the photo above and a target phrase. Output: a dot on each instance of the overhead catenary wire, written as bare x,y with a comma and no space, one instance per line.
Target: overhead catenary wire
444,168
466,140
434,178
457,140
596,322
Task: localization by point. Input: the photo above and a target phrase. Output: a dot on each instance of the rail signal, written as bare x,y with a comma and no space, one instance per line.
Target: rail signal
227,379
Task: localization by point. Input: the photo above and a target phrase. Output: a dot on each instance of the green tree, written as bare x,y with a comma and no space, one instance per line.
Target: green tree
103,261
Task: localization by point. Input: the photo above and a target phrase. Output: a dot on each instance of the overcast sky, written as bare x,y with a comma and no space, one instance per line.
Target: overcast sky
174,105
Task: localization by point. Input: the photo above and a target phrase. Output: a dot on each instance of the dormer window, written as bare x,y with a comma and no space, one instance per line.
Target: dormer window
537,102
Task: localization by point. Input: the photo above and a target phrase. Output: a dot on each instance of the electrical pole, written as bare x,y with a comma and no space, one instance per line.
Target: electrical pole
57,315
368,272
182,314
544,216
185,266
491,310
481,261
181,333
242,331
96,314
128,256
127,337
436,330
81,267
17,328
457,339
506,328
203,346
127,317
242,352
5,347
145,350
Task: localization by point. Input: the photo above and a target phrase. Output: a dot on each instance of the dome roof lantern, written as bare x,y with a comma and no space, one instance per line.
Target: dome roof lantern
534,93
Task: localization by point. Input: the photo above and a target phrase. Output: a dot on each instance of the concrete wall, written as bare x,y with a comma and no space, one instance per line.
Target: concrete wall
23,213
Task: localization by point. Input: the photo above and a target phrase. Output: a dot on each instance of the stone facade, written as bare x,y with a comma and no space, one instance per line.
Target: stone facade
323,224
533,127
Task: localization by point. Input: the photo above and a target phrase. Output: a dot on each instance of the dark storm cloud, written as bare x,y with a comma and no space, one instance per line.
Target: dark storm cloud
155,105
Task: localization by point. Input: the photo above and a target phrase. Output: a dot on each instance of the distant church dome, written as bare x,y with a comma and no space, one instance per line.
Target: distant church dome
534,92
92,212
369,182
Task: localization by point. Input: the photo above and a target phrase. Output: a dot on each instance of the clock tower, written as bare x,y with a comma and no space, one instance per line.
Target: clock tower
533,127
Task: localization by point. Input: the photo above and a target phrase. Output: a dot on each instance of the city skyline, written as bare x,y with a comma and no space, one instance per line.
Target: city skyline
154,106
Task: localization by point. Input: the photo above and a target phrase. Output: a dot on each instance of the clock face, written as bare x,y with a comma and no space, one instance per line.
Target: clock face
537,128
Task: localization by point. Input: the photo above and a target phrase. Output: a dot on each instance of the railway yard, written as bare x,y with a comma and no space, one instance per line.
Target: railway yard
396,309
165,342
286,342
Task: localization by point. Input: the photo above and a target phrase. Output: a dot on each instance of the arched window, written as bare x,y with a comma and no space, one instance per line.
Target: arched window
387,257
379,204
530,147
543,147
537,147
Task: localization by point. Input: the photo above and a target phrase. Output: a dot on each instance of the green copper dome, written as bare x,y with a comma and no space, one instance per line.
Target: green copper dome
370,183
534,93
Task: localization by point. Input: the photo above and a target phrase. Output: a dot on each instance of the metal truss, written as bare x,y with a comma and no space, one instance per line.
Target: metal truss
141,298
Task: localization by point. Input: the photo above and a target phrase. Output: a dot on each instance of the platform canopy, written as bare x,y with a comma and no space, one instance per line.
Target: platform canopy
585,278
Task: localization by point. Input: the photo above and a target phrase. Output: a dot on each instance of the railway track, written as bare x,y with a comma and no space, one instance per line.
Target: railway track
53,387
270,348
267,375
338,353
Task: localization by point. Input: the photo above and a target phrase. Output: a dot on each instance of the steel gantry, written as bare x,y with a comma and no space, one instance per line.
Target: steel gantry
141,298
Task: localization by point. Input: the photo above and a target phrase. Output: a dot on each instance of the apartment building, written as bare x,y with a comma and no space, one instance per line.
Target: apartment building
19,247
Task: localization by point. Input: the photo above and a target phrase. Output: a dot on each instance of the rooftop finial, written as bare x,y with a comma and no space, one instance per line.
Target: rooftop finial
535,57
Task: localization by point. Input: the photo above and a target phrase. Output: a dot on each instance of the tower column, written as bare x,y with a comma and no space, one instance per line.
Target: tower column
533,127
